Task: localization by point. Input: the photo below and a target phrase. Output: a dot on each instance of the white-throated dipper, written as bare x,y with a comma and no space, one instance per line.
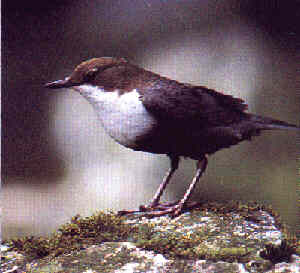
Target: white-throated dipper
147,112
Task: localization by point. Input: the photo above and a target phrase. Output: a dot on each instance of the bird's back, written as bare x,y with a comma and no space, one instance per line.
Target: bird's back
195,120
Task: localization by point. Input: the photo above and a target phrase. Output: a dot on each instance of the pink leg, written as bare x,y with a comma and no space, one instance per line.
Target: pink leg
175,208
155,200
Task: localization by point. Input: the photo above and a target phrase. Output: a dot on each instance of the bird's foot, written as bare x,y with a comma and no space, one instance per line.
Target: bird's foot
174,209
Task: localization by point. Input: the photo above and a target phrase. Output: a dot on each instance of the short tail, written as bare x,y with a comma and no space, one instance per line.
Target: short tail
264,123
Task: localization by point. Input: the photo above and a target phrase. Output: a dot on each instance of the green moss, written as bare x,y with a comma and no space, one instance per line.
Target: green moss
78,233
171,238
279,253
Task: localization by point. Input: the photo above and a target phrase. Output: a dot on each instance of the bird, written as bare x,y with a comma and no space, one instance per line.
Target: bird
147,112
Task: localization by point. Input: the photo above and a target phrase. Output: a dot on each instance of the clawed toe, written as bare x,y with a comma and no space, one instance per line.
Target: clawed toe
163,209
157,206
173,209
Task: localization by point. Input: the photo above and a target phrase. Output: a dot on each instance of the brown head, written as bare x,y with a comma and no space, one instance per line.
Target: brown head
88,72
106,72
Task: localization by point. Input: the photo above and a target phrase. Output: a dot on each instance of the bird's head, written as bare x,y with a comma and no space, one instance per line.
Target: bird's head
104,72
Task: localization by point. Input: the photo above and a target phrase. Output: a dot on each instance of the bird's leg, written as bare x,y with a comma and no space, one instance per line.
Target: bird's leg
201,167
155,209
155,200
176,209
154,203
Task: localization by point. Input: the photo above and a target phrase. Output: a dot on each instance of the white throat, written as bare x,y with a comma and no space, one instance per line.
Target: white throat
123,117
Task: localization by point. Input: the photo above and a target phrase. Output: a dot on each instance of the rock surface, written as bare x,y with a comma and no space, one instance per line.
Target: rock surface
214,238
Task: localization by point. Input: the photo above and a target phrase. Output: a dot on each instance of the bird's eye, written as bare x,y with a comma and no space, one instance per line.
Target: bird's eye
90,75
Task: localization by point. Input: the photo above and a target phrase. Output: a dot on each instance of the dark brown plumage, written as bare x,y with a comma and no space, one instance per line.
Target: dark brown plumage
164,116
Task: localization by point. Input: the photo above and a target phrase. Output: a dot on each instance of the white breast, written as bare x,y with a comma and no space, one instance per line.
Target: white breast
123,117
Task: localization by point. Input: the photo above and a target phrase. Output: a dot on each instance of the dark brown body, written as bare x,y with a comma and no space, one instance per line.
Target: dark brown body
192,120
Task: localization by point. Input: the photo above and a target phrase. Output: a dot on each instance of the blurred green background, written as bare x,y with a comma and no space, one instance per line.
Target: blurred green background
56,159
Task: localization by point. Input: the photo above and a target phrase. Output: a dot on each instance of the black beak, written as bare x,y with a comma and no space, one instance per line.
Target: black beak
59,84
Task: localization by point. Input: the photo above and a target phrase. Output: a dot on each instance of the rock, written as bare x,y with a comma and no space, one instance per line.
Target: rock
212,238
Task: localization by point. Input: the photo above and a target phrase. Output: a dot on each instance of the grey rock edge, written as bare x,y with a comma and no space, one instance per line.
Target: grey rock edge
232,241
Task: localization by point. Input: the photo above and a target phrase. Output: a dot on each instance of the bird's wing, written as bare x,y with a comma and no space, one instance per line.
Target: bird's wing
177,102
